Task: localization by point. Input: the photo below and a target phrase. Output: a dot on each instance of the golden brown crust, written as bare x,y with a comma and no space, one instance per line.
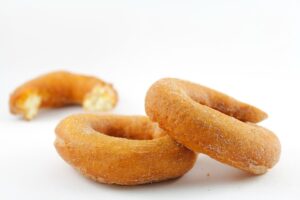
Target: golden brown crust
58,89
200,118
121,150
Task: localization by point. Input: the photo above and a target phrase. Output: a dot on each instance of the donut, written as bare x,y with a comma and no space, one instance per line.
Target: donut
207,121
62,88
123,150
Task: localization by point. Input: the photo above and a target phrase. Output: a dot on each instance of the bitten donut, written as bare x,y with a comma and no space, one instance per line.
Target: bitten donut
213,123
62,88
123,150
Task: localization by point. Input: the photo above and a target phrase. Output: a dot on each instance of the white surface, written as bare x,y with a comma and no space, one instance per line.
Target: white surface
247,49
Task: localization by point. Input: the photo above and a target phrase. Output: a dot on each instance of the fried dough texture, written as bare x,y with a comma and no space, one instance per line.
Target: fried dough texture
61,88
123,150
210,122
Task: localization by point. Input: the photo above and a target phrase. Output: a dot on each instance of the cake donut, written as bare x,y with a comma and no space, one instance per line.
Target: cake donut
62,88
123,150
207,121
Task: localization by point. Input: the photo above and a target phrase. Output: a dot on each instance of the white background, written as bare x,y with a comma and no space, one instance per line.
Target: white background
248,49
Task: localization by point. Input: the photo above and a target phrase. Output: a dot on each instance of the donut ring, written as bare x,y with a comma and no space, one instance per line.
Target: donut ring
210,122
62,88
121,150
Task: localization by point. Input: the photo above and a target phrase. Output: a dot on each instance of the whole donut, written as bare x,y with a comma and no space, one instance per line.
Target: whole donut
124,150
210,122
62,88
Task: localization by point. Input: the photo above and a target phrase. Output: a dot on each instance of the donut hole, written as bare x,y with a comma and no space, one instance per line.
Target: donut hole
147,131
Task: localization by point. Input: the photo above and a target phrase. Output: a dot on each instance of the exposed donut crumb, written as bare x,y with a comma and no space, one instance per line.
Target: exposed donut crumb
31,106
101,98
